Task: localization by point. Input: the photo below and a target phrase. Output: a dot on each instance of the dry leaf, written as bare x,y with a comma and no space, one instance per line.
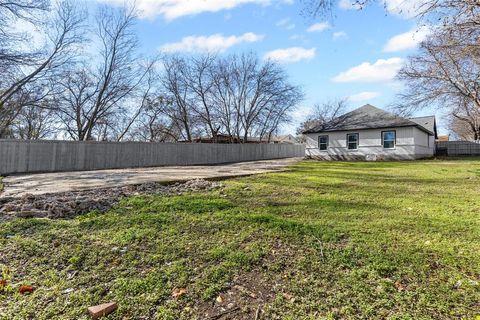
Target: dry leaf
178,292
219,299
115,263
289,297
25,289
399,286
3,284
245,291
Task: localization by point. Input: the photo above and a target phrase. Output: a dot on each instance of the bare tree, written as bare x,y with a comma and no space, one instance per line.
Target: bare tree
34,123
235,95
13,51
224,97
141,98
190,81
75,98
464,122
459,16
93,94
314,8
449,12
457,19
27,83
200,79
153,125
324,114
444,73
256,92
177,86
270,123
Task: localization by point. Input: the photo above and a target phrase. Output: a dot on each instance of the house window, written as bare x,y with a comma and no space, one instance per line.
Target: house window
323,143
352,141
388,139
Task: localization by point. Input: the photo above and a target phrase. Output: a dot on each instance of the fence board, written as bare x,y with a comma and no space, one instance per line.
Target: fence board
458,148
19,156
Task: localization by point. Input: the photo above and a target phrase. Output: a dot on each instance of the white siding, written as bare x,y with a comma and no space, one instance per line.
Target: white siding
412,143
421,139
424,144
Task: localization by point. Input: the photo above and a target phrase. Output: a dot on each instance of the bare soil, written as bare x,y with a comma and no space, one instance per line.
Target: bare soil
66,205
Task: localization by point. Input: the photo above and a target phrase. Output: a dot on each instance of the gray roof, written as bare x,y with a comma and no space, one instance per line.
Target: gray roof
427,122
367,117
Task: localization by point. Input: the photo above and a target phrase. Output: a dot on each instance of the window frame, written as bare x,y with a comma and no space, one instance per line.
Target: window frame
357,142
394,139
327,143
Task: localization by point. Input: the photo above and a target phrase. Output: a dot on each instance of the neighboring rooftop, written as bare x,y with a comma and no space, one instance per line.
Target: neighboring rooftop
370,117
444,137
224,138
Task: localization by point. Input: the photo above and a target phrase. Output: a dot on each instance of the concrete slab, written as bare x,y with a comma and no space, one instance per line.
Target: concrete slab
43,183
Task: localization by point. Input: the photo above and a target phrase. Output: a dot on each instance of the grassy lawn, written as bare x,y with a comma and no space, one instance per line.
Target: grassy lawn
325,240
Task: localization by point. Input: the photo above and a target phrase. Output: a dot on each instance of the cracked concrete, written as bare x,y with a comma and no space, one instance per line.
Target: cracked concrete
43,183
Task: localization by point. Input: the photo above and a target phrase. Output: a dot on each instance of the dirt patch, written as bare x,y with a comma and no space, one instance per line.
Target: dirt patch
252,293
67,205
243,300
56,182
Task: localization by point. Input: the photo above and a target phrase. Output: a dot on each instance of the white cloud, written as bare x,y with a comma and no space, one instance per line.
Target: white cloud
173,9
289,55
285,23
214,43
301,113
339,35
363,96
349,5
35,38
407,40
404,8
382,70
297,37
319,27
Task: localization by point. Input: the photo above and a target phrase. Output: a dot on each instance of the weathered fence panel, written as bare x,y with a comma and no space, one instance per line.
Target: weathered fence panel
458,148
18,156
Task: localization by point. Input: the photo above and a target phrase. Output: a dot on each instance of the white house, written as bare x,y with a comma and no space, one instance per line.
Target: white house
369,133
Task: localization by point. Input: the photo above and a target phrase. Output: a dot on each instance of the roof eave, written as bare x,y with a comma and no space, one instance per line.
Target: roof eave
373,128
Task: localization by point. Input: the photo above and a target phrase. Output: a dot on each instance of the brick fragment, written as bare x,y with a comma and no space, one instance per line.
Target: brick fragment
101,310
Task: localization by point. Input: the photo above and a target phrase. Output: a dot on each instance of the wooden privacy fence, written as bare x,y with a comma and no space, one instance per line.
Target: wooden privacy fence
457,148
18,156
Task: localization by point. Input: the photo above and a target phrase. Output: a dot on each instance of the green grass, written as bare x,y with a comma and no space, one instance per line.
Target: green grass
325,240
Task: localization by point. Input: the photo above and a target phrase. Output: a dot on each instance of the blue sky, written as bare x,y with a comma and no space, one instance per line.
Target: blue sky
352,54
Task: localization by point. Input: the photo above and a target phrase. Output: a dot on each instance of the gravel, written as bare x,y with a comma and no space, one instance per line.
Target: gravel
68,205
